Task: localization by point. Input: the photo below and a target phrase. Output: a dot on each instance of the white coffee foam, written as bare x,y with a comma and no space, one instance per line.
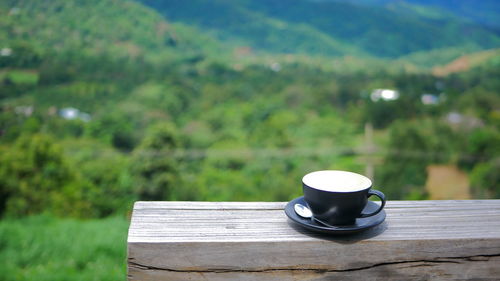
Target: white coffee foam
337,181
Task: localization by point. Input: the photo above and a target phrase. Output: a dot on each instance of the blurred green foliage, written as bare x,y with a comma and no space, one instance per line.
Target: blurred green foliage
413,145
164,118
154,166
35,178
221,134
44,248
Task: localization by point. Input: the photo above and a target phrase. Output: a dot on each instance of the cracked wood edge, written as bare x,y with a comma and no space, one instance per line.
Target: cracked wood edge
319,255
455,260
480,267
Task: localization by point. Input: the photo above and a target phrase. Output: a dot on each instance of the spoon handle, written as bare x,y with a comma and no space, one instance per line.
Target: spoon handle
323,223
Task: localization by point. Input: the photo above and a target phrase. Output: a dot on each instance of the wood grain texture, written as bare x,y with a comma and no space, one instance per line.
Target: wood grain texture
420,240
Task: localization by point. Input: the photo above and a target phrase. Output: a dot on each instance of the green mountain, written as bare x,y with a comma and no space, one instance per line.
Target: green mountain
324,27
116,29
70,53
199,29
485,12
238,24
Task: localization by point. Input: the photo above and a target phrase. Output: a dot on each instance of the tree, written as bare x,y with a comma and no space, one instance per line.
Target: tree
113,129
413,145
485,179
35,177
154,166
106,169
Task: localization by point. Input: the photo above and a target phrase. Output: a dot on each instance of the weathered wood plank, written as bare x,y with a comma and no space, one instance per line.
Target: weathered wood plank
254,241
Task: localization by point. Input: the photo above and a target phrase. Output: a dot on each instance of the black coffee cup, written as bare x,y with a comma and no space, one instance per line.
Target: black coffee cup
339,197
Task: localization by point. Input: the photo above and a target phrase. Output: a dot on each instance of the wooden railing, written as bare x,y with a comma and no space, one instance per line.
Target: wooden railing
419,240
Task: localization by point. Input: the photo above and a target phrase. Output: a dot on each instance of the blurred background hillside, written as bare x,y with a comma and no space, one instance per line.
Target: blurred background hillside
107,102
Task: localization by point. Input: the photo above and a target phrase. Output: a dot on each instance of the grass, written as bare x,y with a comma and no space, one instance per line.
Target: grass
45,248
20,77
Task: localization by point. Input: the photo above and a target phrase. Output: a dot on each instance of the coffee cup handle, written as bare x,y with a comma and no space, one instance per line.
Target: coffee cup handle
382,199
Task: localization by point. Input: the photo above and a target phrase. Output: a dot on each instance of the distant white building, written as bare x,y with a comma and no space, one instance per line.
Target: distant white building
384,94
14,11
458,119
430,99
5,52
275,66
26,110
70,113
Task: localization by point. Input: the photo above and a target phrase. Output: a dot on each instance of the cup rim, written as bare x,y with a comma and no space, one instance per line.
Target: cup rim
367,182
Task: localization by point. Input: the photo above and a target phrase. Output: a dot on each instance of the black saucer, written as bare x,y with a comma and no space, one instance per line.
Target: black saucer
360,224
